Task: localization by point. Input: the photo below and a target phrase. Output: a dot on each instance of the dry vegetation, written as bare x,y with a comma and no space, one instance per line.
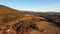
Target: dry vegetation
19,22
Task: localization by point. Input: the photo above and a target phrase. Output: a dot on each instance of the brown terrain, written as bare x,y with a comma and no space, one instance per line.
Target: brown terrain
19,22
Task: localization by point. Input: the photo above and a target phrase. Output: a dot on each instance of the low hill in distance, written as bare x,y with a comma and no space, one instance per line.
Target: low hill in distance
23,22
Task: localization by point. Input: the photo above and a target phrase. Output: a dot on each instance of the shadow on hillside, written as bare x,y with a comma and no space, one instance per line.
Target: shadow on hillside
54,22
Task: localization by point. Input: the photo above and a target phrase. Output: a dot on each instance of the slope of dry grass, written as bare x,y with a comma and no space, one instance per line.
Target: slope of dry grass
19,22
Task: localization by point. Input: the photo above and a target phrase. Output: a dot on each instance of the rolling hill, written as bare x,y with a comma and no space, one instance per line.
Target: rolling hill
13,21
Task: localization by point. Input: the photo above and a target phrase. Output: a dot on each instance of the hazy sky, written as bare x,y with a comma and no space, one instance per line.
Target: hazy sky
33,5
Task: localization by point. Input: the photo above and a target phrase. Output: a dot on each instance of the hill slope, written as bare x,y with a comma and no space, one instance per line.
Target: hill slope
19,22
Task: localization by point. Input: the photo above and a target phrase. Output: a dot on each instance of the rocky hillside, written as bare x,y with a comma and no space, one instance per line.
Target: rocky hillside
19,22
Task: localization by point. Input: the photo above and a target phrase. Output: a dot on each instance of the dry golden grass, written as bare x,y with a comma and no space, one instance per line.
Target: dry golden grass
19,22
